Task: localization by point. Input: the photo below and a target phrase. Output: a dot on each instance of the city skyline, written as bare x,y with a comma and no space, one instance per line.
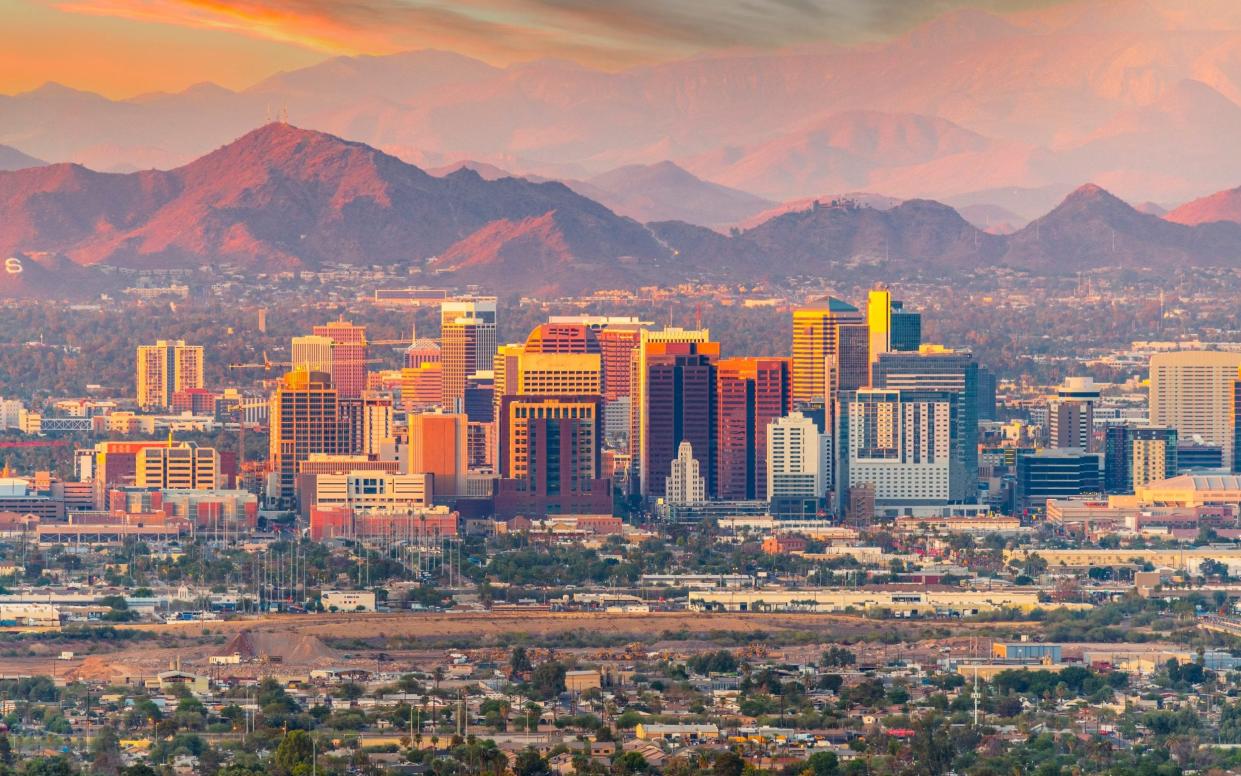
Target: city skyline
630,388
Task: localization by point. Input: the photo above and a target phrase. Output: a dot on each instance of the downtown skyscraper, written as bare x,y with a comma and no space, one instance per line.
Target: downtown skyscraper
467,343
751,393
830,351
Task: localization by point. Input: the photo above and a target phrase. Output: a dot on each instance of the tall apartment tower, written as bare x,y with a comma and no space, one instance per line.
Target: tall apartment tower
751,393
934,368
831,345
1193,391
166,368
348,361
685,484
904,443
304,420
366,423
1152,456
798,458
656,343
467,343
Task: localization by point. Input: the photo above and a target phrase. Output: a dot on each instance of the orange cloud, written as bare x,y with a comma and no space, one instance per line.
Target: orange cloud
606,33
494,31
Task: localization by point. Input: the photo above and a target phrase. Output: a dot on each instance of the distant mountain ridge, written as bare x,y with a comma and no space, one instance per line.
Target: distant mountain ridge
284,198
1136,95
1220,206
13,159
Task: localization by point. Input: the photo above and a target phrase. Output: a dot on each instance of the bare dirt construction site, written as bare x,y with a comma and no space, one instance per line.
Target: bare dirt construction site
485,627
289,645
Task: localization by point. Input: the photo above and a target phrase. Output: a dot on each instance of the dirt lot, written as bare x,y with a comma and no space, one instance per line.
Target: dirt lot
304,642
492,623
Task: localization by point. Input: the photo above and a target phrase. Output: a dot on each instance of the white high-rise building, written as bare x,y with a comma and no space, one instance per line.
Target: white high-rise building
685,485
798,458
1192,392
902,443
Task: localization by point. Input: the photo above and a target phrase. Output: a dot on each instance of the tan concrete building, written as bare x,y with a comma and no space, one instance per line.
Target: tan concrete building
183,466
1192,391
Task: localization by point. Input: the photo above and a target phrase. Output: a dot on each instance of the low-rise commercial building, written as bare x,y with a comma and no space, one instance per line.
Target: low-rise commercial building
348,600
900,601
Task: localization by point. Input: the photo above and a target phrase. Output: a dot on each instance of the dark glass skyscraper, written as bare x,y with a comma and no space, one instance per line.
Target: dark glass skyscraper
680,406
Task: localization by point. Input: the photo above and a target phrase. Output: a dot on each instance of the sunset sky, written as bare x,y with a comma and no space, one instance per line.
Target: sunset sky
122,48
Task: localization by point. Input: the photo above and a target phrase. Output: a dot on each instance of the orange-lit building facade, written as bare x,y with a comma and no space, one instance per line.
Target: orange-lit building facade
550,462
750,394
348,368
304,421
439,445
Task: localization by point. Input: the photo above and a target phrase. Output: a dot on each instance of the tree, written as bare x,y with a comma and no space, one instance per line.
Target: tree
933,745
547,681
530,763
822,764
296,749
105,751
630,762
519,662
727,764
50,766
837,657
350,691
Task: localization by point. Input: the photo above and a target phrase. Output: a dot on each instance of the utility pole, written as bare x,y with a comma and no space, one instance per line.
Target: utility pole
975,695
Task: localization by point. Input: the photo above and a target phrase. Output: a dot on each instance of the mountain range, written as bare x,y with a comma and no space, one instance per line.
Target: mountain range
1136,95
285,198
12,159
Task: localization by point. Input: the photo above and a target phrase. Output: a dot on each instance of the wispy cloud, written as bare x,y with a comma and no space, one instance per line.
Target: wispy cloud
598,32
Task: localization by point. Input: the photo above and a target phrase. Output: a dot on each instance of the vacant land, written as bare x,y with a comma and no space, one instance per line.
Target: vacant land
293,644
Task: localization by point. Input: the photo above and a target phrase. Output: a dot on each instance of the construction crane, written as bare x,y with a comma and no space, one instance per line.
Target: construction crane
401,341
267,363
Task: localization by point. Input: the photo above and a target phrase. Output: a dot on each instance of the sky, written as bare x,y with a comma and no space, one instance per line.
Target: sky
122,48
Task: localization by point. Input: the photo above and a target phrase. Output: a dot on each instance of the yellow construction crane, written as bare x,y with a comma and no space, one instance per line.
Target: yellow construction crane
267,363
400,341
